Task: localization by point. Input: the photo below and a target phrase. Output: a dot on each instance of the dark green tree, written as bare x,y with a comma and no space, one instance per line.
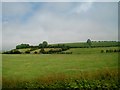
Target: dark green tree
42,51
89,42
27,52
22,46
44,44
40,45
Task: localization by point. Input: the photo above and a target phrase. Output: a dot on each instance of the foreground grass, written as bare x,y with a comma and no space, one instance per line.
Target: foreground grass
78,70
0,71
30,66
101,79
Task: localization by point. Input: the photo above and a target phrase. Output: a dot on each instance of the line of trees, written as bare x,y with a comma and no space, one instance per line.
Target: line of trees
15,51
21,46
63,47
41,46
54,51
110,50
44,44
88,44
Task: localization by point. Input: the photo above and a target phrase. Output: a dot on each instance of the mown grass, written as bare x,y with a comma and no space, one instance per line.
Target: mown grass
85,68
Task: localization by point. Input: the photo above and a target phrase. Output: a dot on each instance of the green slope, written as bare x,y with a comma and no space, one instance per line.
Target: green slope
94,44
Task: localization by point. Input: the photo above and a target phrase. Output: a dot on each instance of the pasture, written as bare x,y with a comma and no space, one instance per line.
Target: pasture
94,44
30,66
0,71
84,62
86,66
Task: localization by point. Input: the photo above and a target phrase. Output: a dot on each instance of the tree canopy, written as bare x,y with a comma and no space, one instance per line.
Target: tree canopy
43,45
22,46
89,42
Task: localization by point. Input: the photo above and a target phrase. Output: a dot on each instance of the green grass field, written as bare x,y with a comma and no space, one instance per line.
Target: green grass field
31,66
75,50
0,71
84,44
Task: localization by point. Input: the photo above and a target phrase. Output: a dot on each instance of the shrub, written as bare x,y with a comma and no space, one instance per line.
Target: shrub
107,51
102,51
15,51
35,52
42,51
27,52
68,53
32,49
22,46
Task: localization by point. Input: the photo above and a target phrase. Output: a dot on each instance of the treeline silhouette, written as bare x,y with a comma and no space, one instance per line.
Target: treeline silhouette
110,51
60,48
88,44
55,51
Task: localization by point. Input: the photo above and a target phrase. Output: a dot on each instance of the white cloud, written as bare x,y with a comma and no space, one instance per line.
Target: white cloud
59,0
0,26
15,8
55,26
84,7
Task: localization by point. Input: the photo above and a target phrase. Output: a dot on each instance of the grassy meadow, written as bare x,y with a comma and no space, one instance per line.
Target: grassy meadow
94,44
0,71
84,68
30,66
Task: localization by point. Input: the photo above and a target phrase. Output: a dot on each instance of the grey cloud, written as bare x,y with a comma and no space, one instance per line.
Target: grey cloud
47,24
59,0
0,26
15,8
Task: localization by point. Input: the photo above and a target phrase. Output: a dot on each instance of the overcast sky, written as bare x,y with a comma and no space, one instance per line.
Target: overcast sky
58,22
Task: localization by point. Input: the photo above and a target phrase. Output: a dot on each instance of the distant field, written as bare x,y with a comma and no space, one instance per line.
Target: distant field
57,66
96,44
91,50
0,71
76,50
39,65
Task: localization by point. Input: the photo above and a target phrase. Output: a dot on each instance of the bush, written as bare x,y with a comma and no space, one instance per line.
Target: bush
21,46
27,52
42,51
16,52
102,51
68,53
110,51
32,49
35,52
54,51
12,52
107,51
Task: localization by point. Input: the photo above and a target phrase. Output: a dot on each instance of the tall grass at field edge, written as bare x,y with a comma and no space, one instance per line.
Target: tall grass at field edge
106,79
